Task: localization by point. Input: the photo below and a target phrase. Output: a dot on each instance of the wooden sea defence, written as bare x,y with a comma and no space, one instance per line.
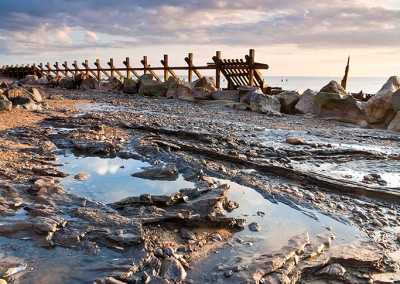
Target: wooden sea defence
237,72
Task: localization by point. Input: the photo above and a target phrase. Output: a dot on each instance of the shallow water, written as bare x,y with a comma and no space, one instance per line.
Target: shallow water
280,222
110,179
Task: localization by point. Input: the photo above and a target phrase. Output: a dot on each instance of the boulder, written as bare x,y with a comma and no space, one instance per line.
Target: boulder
36,95
146,77
379,108
394,125
306,102
288,101
152,88
21,96
336,106
207,83
89,84
5,105
158,172
200,93
265,104
131,86
396,101
226,95
173,270
245,93
44,81
31,79
67,83
79,79
333,87
113,84
180,91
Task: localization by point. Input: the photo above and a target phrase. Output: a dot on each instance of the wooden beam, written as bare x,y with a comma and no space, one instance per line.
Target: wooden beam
251,67
218,69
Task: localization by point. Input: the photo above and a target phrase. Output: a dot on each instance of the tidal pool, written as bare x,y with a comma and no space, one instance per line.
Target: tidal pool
110,179
280,222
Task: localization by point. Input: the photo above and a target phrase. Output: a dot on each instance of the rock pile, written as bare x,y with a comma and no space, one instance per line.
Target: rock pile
15,96
331,102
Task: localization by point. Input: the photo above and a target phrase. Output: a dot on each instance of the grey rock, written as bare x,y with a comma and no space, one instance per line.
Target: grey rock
226,95
255,227
47,147
145,77
159,172
5,105
396,101
89,84
152,88
288,101
113,84
173,270
394,125
31,79
207,83
82,176
333,87
180,91
262,103
187,234
158,252
67,83
131,86
245,93
379,108
200,93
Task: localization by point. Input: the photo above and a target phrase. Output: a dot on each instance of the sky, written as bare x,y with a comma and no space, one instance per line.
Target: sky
294,37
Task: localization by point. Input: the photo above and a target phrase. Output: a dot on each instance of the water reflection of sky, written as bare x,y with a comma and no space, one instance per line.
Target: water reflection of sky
110,178
281,222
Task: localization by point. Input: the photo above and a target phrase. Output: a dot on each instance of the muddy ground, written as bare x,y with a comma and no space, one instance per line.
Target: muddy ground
293,199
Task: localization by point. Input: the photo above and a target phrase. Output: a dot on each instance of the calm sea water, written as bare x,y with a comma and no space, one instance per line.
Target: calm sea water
369,85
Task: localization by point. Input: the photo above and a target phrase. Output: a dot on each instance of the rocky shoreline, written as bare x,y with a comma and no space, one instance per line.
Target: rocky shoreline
189,236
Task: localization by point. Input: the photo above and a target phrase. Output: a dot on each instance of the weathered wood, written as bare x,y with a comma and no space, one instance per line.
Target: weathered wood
146,68
189,61
346,74
100,70
251,67
113,69
218,69
167,69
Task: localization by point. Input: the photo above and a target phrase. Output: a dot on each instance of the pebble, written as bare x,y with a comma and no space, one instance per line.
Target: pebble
217,238
228,273
81,176
255,227
2,281
158,252
169,251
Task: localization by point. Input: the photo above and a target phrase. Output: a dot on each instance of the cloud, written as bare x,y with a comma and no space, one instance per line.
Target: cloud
91,37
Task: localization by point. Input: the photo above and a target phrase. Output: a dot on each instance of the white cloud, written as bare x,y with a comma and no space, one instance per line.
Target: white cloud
91,37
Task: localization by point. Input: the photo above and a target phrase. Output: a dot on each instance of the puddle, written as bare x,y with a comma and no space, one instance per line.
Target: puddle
57,265
110,179
93,106
280,222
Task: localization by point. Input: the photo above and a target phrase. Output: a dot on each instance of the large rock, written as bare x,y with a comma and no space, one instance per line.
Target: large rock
396,100
67,83
245,93
379,108
340,107
113,84
180,91
36,94
333,87
152,88
207,83
131,86
395,123
146,77
158,172
226,95
306,102
265,104
31,79
173,270
288,101
89,84
5,105
200,93
23,96
46,80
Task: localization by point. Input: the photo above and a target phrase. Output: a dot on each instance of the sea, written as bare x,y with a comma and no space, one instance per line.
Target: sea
369,85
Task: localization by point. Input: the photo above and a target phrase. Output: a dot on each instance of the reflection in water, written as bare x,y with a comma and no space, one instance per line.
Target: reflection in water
110,178
280,222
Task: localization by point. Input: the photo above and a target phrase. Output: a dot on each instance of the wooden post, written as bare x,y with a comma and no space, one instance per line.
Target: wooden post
165,63
42,69
86,68
111,64
251,67
65,68
34,69
128,68
75,64
218,70
190,70
57,69
145,65
97,63
346,74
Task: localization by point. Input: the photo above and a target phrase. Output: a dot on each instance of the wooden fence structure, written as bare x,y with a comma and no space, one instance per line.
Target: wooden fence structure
238,72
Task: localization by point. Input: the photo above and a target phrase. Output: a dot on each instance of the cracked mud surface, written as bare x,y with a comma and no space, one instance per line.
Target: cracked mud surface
324,195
